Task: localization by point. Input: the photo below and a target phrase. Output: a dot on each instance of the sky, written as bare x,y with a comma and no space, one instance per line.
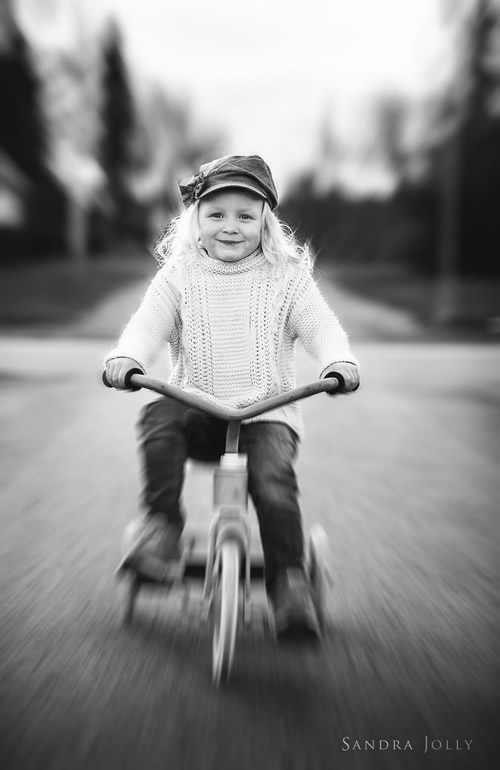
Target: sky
268,73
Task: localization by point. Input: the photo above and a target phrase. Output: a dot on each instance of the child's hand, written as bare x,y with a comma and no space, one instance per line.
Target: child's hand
347,375
117,370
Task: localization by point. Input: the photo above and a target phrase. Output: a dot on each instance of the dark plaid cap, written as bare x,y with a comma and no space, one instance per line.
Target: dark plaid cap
249,172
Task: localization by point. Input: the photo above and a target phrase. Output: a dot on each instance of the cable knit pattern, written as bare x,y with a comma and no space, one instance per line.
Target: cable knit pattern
231,329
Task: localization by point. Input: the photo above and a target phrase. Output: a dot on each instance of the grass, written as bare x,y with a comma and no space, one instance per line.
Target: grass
56,292
476,305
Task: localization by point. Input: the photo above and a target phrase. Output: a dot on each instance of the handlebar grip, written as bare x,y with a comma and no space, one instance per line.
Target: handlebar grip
128,379
337,376
105,380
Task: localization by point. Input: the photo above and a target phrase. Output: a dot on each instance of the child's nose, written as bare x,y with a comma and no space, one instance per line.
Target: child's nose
230,226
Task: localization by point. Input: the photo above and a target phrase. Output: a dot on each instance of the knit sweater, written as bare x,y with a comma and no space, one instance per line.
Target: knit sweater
231,329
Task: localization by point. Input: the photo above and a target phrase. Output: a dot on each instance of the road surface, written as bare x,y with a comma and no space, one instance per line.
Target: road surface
403,476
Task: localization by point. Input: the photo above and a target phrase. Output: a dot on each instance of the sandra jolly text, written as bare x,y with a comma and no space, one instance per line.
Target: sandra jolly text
428,744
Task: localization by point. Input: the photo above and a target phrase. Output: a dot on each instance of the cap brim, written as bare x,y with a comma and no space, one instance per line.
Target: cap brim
223,185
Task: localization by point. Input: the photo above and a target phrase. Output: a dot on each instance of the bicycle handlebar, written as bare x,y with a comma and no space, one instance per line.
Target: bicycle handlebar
137,380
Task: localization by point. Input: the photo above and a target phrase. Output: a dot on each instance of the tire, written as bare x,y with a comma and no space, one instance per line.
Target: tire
318,569
133,588
226,612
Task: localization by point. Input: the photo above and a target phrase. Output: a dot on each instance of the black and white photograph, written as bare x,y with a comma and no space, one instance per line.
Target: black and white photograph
250,384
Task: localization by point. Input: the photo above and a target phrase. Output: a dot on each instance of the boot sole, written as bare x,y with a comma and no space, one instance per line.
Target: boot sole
297,629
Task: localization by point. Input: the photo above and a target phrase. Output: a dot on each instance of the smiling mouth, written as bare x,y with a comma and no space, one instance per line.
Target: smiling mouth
230,243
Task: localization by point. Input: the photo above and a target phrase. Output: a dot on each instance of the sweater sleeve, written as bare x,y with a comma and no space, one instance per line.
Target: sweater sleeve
151,326
317,327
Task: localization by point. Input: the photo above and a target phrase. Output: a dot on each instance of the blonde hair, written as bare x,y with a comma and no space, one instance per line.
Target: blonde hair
279,245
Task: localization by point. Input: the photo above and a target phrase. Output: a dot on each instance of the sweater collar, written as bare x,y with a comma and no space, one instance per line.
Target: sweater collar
219,267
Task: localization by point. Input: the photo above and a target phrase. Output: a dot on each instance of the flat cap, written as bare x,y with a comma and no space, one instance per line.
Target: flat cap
249,172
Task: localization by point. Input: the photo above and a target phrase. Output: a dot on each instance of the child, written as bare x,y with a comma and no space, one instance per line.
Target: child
233,294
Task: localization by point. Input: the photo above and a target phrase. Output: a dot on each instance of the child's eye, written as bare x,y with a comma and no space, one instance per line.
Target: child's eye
246,216
215,214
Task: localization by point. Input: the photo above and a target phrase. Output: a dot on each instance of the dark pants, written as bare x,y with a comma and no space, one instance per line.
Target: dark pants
171,432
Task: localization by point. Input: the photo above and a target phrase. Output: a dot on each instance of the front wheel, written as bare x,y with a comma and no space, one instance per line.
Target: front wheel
225,611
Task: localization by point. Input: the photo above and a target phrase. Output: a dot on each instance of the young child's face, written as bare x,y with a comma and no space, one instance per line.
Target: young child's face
230,224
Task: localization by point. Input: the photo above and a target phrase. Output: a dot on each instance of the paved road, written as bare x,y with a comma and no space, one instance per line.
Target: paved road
403,476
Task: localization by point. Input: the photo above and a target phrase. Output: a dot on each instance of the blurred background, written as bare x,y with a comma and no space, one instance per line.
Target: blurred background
381,122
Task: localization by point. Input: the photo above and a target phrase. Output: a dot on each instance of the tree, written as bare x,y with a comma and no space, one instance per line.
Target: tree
117,126
390,117
22,133
481,147
469,233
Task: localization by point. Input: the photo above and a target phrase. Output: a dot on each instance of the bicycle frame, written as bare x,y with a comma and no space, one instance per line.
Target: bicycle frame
230,520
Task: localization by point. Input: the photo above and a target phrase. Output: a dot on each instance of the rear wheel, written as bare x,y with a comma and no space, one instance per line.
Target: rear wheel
133,589
225,611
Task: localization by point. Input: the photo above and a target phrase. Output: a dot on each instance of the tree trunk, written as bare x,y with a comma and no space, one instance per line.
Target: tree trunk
447,283
76,233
